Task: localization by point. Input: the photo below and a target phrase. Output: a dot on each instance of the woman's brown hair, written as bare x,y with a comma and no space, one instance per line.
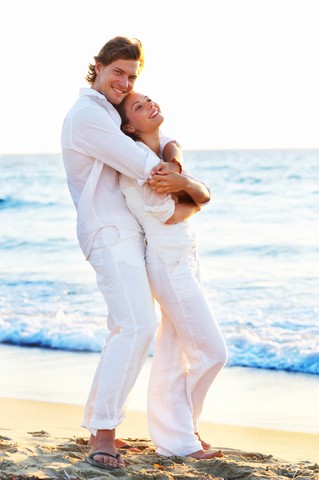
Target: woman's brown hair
125,121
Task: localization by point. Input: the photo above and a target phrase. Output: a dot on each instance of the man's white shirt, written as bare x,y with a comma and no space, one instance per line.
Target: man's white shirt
94,151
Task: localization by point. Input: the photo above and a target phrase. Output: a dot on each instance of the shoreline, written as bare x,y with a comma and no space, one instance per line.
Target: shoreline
239,396
45,440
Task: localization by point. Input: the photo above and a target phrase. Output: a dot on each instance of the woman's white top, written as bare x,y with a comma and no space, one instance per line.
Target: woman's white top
171,242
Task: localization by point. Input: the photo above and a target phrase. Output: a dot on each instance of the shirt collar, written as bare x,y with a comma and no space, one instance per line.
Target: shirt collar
91,92
101,100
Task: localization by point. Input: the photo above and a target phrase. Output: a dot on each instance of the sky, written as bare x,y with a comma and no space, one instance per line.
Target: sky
228,74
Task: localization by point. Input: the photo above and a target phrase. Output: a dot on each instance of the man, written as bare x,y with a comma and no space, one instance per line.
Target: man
94,151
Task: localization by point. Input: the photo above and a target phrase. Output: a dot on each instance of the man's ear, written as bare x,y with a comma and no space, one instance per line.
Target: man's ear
97,67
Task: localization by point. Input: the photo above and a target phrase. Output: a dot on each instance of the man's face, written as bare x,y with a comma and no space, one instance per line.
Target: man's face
116,80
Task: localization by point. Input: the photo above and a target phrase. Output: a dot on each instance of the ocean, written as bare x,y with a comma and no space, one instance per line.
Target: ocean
258,243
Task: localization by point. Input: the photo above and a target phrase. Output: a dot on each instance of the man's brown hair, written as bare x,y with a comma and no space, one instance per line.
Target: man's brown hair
115,49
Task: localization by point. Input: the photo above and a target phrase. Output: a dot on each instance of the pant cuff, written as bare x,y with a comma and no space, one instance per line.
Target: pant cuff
103,425
181,452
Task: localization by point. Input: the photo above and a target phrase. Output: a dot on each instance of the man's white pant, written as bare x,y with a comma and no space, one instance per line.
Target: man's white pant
189,353
118,259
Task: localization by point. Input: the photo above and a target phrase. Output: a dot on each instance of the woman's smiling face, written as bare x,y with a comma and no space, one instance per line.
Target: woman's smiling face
143,114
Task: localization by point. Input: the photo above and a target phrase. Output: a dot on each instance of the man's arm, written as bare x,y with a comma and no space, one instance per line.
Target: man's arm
94,133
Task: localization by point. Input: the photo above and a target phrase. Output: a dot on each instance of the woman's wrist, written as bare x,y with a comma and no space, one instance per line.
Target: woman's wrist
178,168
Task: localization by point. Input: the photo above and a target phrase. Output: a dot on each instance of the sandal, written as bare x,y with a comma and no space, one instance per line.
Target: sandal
91,461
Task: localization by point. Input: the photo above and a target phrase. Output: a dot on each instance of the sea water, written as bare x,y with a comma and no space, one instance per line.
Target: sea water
258,241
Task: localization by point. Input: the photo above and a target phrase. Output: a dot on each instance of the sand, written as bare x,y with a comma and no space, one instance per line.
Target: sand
40,440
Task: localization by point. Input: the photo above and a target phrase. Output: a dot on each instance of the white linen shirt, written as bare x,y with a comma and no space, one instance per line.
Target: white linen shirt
94,150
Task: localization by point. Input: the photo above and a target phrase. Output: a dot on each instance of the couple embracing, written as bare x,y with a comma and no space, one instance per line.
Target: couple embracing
133,201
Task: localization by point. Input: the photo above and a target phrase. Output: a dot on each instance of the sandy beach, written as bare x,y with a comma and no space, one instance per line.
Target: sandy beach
40,440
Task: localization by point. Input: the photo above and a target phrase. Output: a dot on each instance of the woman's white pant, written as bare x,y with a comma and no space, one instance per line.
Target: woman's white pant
118,259
189,353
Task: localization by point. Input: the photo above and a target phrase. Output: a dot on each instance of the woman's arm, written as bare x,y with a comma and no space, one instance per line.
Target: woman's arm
173,160
166,177
172,154
183,211
175,183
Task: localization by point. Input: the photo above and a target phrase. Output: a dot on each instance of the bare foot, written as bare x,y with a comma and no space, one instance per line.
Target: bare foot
122,444
91,441
205,445
204,455
105,460
104,441
118,444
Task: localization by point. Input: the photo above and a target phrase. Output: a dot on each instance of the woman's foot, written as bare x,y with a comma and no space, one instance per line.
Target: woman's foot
126,446
205,446
204,455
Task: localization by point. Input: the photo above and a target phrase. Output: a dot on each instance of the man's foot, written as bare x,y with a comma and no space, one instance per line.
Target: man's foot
91,441
105,460
103,452
118,444
205,445
204,455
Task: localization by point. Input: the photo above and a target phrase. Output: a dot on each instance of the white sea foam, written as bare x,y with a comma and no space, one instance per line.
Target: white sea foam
257,241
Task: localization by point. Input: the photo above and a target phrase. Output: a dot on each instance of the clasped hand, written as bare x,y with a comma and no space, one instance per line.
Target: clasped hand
164,180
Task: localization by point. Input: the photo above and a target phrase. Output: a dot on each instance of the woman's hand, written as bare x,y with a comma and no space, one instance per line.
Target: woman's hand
168,183
164,168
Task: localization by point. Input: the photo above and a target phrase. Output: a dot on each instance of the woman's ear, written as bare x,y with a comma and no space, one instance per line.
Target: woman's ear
128,128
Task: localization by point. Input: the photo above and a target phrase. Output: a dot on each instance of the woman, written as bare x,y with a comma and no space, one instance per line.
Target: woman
189,350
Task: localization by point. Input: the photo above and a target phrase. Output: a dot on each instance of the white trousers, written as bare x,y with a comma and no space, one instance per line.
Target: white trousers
189,353
118,260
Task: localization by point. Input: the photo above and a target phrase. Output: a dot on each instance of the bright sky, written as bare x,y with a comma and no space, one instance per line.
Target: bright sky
227,73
